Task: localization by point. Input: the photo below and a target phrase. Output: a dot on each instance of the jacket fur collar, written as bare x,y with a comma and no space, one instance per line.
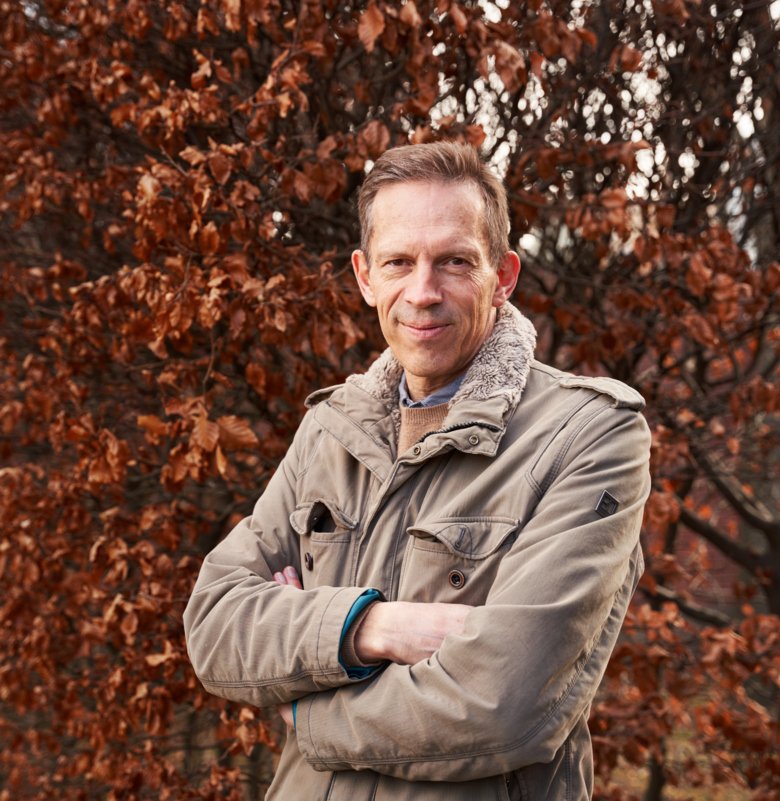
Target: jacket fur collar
500,367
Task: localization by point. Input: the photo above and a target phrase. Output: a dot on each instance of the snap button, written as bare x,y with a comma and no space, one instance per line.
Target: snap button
308,560
416,450
456,579
474,439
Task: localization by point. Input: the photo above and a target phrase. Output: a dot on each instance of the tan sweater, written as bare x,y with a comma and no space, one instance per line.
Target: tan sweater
417,422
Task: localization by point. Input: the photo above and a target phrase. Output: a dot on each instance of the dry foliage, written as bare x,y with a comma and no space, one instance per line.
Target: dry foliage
176,215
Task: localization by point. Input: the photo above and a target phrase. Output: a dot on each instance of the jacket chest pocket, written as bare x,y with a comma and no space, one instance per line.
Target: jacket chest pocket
454,560
326,533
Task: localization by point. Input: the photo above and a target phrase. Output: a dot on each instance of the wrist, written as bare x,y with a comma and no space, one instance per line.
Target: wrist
370,641
348,655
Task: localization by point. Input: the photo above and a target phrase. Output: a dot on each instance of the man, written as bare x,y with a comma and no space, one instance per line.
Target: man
432,584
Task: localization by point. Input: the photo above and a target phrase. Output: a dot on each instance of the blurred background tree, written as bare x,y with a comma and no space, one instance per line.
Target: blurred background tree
176,218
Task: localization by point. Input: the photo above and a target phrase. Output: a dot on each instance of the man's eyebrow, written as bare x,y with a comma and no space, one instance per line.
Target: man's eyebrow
466,251
446,251
387,254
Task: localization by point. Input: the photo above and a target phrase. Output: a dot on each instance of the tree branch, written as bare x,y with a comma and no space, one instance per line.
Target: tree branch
745,557
690,608
751,510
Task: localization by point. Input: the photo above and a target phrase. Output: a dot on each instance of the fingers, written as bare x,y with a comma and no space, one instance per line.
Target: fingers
288,577
291,574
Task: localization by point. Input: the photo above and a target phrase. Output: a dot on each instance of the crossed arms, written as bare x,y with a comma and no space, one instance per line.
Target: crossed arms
394,631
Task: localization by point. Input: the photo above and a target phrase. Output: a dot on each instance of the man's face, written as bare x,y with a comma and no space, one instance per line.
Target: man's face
430,280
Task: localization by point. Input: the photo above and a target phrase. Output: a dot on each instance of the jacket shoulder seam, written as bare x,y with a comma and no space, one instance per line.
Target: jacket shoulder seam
621,394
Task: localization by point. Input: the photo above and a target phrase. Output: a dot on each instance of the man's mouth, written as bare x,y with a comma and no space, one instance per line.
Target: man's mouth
424,329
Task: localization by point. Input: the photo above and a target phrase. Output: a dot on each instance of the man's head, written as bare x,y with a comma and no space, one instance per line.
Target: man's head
438,162
433,273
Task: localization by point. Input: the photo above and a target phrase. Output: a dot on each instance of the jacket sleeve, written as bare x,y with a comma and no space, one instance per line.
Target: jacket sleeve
250,639
508,691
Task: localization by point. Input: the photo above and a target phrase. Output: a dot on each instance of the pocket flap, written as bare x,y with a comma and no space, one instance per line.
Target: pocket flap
472,538
320,514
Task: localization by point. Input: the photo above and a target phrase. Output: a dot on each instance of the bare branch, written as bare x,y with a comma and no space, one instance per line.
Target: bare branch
690,608
746,557
751,510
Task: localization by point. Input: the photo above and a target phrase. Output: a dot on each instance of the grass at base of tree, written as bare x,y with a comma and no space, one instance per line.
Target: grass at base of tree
628,777
682,748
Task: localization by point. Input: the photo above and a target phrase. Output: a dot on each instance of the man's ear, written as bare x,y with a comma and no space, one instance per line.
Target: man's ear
508,273
360,267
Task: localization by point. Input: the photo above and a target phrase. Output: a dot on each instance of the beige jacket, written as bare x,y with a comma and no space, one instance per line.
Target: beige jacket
503,508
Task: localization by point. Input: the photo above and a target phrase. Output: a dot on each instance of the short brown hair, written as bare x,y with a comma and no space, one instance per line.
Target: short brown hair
442,162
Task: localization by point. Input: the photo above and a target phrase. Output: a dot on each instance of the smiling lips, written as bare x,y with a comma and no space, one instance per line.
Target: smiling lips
423,330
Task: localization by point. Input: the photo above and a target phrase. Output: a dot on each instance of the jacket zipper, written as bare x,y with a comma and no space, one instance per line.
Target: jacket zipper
458,427
513,791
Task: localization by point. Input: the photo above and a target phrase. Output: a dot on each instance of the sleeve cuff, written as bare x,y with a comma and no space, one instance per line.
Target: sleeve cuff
348,657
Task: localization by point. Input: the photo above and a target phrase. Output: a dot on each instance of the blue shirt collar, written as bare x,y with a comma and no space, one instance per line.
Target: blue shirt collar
434,399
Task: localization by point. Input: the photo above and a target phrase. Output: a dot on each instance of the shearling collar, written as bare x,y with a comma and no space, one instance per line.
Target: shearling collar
500,368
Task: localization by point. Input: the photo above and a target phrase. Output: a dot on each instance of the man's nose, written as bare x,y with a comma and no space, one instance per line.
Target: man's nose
423,287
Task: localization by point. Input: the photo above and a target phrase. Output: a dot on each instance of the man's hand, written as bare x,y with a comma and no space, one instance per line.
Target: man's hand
405,632
289,577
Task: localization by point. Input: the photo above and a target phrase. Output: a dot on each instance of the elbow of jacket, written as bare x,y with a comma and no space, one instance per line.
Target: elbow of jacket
539,747
201,656
540,742
542,748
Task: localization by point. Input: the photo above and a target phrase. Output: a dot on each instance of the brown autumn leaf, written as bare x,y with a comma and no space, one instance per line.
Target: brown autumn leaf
205,433
370,26
149,188
698,275
376,137
409,14
626,58
232,11
223,464
510,66
153,660
459,18
235,433
256,377
220,167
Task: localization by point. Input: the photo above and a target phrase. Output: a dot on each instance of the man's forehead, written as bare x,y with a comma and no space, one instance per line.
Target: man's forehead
431,217
415,208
